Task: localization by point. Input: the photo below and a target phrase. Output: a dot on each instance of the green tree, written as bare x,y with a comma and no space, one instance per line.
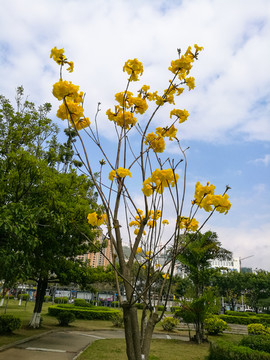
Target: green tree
44,202
231,286
257,288
199,249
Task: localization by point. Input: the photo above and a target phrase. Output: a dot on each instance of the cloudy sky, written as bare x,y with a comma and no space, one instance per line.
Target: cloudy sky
228,130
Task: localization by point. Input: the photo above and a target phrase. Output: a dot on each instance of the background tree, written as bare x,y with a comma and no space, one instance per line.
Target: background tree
44,203
198,250
257,288
138,153
231,286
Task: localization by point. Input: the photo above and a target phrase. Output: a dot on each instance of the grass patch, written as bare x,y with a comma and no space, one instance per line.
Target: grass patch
160,350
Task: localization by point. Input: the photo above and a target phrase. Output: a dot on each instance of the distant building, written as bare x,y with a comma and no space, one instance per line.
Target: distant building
233,265
99,258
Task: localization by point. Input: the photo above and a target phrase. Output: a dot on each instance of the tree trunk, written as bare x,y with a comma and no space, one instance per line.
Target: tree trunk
146,341
132,332
41,291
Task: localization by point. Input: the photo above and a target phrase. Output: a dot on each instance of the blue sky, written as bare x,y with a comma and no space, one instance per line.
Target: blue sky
228,130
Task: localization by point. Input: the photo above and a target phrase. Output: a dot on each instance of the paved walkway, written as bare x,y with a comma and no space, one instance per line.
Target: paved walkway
63,345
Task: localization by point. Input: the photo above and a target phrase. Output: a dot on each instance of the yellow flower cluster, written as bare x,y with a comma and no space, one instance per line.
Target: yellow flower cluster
134,68
123,119
166,276
205,198
121,172
183,65
59,57
127,100
187,223
153,217
158,181
155,142
95,219
182,115
71,108
168,131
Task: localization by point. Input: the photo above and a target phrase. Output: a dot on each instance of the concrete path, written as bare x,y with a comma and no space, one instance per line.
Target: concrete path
64,345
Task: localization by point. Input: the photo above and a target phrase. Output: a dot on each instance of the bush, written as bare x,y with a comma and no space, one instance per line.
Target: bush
93,313
82,302
47,298
9,323
10,297
24,297
227,351
65,318
118,320
258,329
245,320
215,326
61,300
169,323
257,342
175,308
115,304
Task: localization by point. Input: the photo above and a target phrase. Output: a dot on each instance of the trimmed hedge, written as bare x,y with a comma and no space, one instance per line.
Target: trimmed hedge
91,313
245,320
82,302
257,342
258,329
228,351
175,308
214,325
9,323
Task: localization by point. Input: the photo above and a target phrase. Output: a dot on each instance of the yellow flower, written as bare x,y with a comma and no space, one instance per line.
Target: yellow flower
121,172
198,48
134,68
182,115
72,109
58,55
201,191
169,132
139,250
157,266
190,81
82,123
71,66
95,219
62,89
112,175
166,276
186,223
159,180
165,222
155,142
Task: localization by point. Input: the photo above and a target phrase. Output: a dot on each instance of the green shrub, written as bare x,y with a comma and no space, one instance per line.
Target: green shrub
257,342
47,298
215,326
118,320
175,308
93,313
82,302
24,297
169,323
10,297
9,323
61,300
258,329
237,313
115,304
65,318
245,320
228,351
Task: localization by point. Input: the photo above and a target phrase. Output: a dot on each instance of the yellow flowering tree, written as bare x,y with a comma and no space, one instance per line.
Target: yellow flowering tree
139,190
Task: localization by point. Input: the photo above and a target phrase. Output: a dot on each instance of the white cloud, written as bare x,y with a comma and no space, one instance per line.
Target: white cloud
264,161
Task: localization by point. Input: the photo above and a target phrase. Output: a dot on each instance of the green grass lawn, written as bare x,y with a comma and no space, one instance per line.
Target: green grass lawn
160,350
